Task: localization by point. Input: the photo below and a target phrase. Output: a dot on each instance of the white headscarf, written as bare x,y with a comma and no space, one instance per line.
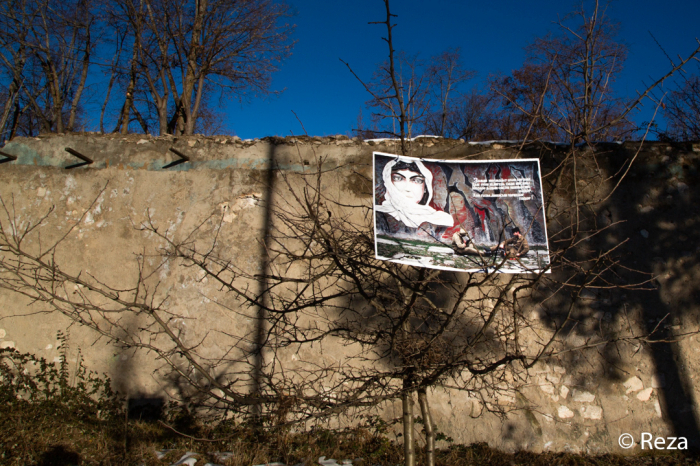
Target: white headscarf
405,210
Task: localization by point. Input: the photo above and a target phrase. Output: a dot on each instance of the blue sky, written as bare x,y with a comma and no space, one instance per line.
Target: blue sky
491,35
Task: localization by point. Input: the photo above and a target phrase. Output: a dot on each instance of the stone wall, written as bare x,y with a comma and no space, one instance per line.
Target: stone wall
580,401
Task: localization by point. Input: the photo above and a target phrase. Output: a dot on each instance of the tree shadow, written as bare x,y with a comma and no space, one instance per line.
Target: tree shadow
664,219
59,455
261,327
658,216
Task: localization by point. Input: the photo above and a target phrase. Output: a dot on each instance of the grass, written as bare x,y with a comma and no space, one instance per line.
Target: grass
51,417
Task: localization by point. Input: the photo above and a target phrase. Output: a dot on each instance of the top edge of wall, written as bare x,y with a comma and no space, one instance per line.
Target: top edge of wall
182,153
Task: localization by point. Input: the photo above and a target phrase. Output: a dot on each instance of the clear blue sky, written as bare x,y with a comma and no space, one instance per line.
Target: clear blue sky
491,35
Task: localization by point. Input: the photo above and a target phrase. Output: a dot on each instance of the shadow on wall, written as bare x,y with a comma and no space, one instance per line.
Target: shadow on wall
660,217
665,217
151,408
260,341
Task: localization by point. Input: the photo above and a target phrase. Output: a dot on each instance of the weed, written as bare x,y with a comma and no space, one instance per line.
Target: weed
46,409
52,415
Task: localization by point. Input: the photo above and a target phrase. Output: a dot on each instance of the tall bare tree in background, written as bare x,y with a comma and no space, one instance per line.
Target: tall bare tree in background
472,116
423,91
51,43
399,90
566,85
186,53
170,58
13,55
563,91
446,74
682,110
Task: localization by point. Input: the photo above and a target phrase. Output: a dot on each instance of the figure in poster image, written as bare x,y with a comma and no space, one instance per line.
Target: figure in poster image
515,246
409,190
463,243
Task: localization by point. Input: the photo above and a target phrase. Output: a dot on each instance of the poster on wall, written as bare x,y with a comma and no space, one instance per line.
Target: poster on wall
469,216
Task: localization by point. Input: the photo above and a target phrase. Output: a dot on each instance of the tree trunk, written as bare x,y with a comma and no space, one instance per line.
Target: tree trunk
54,90
408,441
394,83
192,121
141,121
162,117
104,105
115,65
15,120
81,84
176,125
15,86
13,92
136,54
164,74
183,118
428,424
129,100
39,114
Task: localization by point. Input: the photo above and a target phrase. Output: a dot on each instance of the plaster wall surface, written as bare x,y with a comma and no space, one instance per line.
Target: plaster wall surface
98,212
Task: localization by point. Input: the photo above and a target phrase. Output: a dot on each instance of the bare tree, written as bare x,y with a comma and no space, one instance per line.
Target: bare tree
398,88
60,40
47,56
520,101
364,129
566,85
423,92
682,110
14,20
475,116
169,57
564,91
447,74
183,51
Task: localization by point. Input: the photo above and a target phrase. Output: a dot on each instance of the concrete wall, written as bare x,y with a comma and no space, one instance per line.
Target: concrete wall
578,402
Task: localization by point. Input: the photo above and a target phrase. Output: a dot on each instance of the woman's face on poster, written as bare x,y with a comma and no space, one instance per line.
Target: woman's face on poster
411,184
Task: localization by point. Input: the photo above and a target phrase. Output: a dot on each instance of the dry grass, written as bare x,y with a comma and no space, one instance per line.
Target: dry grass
50,418
29,436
